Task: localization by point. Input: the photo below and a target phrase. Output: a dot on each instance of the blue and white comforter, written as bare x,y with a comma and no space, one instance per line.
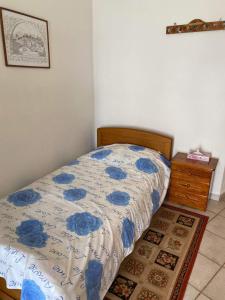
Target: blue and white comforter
65,236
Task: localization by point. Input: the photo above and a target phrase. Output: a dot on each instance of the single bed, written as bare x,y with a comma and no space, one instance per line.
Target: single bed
64,236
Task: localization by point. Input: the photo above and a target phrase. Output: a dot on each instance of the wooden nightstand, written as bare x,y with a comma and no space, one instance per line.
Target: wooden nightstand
190,181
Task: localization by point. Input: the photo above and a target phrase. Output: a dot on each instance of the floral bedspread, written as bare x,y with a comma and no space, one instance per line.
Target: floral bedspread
65,236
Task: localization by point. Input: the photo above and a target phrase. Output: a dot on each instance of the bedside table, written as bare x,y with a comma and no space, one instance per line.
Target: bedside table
190,181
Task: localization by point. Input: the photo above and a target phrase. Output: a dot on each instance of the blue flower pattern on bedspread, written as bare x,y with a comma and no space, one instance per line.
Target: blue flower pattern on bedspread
127,233
155,201
31,234
116,173
31,291
119,198
83,223
29,226
165,161
146,165
65,235
93,277
74,194
136,148
24,198
102,154
63,178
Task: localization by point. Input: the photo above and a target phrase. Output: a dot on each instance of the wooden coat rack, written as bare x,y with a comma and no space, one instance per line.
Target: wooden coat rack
196,25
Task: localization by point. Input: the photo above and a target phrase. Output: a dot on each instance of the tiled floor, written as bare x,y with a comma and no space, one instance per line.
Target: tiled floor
207,281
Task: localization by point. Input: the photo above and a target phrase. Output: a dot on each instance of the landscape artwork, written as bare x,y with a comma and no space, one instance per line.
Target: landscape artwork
25,40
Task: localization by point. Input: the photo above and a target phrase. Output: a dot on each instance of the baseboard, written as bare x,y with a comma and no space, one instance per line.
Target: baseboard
222,197
217,197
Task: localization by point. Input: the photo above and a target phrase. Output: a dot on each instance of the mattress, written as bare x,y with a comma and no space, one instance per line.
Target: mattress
64,236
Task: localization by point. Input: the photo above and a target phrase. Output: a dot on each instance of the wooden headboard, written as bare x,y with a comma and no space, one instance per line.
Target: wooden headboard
149,139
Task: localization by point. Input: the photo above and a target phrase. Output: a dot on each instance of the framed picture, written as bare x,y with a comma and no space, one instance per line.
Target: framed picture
25,40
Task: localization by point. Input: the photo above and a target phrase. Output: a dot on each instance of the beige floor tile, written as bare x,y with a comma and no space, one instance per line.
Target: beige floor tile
211,246
204,269
191,293
217,226
216,288
222,213
202,297
215,206
210,214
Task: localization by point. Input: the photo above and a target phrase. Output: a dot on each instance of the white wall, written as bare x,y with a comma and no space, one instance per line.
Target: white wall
171,83
46,116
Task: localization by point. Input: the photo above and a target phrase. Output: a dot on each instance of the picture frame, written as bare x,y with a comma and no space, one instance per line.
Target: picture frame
25,40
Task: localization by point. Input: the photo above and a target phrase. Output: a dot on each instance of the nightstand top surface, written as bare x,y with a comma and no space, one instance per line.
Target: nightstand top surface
181,159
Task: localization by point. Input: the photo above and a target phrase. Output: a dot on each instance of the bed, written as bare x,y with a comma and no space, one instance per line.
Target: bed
65,236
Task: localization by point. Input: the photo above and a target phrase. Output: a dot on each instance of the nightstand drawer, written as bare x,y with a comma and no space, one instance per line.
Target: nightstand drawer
184,177
185,171
190,186
192,200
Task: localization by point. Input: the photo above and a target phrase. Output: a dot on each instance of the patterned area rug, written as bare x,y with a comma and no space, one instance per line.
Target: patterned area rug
163,258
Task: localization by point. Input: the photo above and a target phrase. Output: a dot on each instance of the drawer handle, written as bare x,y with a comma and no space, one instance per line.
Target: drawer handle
187,185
